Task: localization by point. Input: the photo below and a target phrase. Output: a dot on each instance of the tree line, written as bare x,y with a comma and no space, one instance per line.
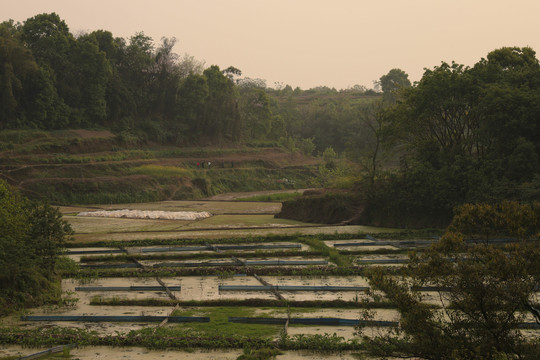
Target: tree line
464,135
51,79
54,80
460,134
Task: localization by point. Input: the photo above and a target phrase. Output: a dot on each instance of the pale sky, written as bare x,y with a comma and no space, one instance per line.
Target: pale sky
308,43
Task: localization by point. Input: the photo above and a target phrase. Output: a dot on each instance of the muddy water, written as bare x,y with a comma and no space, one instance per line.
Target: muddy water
135,353
320,281
227,261
77,257
373,245
83,307
138,250
207,288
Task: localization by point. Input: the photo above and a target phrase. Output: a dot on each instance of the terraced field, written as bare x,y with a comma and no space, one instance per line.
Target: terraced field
128,268
87,167
216,285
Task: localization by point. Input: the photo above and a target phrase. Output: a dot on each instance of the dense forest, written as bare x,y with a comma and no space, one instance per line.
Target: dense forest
469,135
459,135
52,79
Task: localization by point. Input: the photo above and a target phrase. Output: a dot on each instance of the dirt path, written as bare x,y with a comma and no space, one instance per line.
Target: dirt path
240,195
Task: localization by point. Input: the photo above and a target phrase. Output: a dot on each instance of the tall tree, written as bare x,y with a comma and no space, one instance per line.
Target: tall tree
222,119
31,237
192,96
50,41
91,71
134,64
18,65
27,91
256,113
392,83
365,143
166,79
440,113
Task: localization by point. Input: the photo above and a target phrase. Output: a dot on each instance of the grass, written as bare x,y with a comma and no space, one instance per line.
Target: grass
158,171
272,197
96,225
332,253
204,255
263,304
98,228
219,324
228,221
68,168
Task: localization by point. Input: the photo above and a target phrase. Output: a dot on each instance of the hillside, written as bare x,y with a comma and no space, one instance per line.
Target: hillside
85,166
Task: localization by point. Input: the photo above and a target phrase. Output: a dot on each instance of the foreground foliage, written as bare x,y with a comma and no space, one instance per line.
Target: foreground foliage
32,236
173,338
485,290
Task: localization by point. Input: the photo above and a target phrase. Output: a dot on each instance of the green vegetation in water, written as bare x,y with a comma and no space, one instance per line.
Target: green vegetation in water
259,354
158,171
317,238
175,337
323,270
255,303
219,322
332,254
187,241
224,254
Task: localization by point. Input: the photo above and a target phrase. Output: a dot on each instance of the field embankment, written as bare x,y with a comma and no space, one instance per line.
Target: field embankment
323,206
86,167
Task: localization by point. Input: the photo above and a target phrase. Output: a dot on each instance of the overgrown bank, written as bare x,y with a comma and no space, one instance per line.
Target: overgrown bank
330,207
85,167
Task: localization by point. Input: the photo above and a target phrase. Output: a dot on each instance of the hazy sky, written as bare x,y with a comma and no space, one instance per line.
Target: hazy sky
307,43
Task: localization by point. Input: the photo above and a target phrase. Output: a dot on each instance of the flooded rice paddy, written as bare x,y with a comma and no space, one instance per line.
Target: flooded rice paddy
90,296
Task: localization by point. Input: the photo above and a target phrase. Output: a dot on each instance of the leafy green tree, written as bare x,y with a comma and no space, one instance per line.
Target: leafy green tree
13,230
329,154
473,130
512,58
44,107
135,60
222,120
18,65
439,113
306,146
27,91
256,113
485,290
48,234
366,143
278,129
166,80
192,95
31,238
392,83
510,79
93,71
232,73
523,161
49,39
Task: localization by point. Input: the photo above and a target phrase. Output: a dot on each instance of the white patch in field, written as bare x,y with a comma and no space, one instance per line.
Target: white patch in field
148,214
